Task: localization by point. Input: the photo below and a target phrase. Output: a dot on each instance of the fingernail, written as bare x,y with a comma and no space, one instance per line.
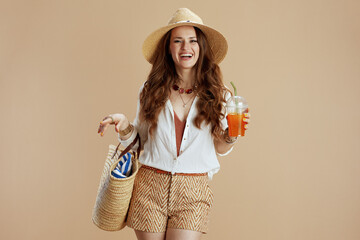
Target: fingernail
102,134
101,122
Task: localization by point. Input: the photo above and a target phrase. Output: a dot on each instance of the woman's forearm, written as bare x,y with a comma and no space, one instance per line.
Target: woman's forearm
126,131
224,144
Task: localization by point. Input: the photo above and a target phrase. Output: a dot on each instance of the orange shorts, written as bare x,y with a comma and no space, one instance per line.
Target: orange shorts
160,201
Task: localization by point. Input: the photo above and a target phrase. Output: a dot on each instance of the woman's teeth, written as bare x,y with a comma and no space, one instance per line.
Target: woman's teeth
186,55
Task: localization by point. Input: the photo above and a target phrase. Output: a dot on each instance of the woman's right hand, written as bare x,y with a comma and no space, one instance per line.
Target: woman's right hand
119,120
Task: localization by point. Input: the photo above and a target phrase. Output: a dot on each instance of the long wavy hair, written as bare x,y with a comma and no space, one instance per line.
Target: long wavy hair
208,79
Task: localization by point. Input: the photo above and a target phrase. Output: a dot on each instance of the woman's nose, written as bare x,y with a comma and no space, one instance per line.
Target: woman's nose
185,45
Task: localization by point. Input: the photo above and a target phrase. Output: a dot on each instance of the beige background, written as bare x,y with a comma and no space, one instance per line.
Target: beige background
64,65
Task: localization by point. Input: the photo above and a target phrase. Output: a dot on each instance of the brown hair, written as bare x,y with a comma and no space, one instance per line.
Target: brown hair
210,88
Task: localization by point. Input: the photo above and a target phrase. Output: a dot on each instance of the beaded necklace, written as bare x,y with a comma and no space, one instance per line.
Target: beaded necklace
182,90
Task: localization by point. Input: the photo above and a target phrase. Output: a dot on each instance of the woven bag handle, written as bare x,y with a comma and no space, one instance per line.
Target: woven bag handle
127,149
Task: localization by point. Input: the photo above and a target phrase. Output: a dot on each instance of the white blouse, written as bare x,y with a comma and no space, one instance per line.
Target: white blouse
197,150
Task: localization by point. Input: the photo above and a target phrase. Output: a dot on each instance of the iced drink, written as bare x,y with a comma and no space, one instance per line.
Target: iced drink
236,107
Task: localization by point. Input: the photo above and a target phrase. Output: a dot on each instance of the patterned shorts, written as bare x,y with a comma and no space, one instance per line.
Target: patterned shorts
162,201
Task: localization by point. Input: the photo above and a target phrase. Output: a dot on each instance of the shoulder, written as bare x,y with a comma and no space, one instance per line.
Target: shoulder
141,88
227,93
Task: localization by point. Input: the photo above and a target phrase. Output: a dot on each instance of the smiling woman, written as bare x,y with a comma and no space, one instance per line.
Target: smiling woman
181,119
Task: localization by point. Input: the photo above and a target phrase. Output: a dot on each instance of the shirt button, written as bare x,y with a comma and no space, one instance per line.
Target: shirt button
184,139
174,158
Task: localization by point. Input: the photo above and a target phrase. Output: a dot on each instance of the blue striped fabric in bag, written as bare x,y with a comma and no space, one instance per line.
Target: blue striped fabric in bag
123,168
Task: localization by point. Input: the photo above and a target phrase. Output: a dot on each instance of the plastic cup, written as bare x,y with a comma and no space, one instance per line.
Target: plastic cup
236,107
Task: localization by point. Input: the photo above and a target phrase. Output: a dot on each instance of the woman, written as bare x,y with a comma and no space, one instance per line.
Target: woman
182,126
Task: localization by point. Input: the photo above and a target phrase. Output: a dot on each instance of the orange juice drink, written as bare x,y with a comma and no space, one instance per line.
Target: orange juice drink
234,124
236,107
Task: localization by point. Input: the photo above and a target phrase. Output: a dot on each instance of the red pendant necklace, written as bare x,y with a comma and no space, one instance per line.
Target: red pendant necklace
182,90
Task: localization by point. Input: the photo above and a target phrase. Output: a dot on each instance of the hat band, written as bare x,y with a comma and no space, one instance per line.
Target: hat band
185,21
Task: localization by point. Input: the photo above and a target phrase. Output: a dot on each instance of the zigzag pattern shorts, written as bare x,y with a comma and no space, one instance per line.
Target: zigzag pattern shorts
160,201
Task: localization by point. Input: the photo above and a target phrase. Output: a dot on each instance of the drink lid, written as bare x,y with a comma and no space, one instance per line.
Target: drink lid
238,102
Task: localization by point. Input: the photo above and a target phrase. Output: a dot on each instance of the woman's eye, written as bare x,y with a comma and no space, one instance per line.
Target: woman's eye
177,41
193,41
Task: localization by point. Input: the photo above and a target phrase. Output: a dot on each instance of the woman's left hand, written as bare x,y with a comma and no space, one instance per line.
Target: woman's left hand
246,120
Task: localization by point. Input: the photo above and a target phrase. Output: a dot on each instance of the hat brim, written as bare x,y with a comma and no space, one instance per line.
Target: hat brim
217,41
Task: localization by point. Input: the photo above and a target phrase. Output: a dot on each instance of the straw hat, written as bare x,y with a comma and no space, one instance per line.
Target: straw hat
185,17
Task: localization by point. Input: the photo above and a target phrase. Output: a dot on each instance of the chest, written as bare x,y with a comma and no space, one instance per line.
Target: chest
181,104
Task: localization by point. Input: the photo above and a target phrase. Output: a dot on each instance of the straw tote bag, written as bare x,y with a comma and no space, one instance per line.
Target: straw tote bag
114,194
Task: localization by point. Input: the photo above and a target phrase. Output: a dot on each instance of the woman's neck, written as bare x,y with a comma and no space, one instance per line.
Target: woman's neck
186,78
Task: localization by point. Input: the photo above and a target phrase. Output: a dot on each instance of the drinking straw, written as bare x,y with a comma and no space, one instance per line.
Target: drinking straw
235,92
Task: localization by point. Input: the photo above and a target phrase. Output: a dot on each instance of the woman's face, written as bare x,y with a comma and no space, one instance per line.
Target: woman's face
184,47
